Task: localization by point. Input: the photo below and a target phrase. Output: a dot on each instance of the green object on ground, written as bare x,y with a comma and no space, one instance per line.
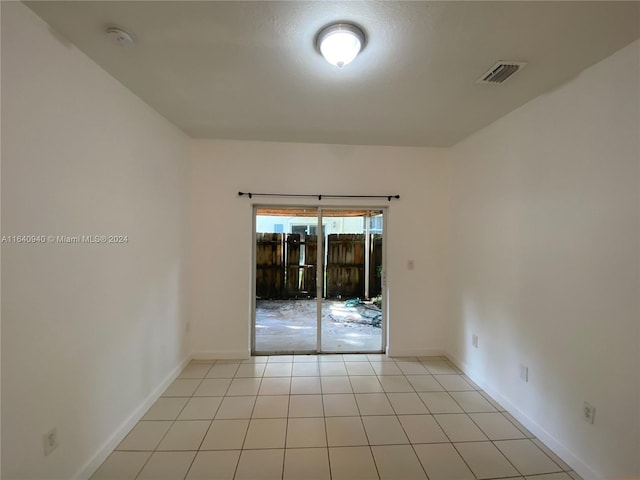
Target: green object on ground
353,302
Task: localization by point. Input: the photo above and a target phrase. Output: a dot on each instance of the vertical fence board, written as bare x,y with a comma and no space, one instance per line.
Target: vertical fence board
292,272
308,286
269,265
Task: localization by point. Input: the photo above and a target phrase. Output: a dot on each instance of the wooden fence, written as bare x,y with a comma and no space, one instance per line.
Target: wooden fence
286,265
345,265
269,265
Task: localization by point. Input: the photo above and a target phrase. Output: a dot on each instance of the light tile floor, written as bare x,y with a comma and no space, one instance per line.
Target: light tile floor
329,417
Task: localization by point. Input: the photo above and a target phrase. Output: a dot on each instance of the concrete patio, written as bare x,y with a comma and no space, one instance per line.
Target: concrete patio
290,326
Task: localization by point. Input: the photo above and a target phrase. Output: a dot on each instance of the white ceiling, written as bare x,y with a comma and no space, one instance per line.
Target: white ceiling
249,70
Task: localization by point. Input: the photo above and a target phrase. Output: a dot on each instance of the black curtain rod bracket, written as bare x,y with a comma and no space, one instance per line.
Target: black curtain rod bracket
319,196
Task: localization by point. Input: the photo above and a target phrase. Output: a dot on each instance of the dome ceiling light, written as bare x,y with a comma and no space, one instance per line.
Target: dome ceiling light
340,43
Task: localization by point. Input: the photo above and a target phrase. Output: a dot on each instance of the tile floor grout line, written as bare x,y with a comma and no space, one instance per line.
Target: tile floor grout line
397,415
485,433
366,433
203,438
214,417
244,439
505,457
452,444
410,442
155,450
284,447
141,468
208,428
386,395
326,432
402,426
522,428
514,466
286,427
533,440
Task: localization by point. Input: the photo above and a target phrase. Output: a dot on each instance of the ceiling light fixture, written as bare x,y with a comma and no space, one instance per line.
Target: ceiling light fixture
340,43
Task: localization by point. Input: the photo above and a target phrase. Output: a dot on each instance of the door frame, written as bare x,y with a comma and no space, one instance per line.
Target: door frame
320,275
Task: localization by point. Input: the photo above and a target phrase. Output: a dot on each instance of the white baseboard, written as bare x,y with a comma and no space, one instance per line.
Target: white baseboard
125,427
424,352
570,458
221,355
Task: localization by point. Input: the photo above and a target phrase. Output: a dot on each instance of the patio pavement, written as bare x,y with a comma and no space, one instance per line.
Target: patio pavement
286,326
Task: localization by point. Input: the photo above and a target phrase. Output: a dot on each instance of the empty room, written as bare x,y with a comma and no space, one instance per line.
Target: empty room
329,240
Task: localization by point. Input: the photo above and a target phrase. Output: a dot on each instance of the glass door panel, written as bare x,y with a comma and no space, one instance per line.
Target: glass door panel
286,313
351,310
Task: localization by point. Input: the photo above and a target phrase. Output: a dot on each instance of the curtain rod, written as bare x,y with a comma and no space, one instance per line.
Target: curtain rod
319,196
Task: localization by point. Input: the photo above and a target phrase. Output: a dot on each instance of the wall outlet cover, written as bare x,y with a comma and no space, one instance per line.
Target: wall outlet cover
50,441
588,412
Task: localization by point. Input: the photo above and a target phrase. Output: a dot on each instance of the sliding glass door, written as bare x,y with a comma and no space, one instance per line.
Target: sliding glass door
286,310
318,280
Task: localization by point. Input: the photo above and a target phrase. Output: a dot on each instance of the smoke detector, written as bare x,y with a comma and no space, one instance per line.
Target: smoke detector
120,36
501,71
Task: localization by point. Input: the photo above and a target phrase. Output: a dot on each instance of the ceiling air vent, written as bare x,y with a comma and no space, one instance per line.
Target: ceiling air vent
501,71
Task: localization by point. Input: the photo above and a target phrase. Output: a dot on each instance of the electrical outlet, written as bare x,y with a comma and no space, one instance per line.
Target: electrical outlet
588,412
524,373
474,340
50,441
187,327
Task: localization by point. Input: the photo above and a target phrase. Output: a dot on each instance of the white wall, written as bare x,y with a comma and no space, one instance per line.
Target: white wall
545,232
89,332
222,238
